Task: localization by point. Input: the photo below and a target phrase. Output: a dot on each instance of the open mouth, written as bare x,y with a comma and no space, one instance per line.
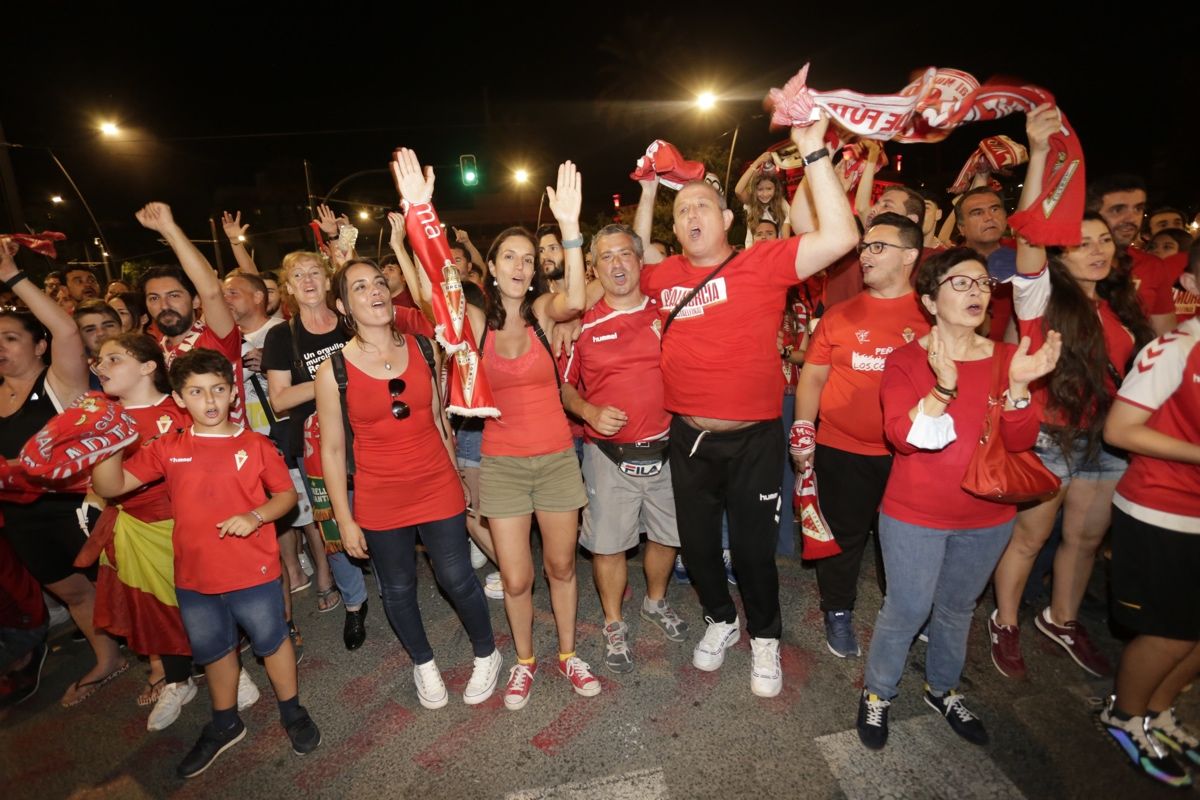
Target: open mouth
975,309
694,233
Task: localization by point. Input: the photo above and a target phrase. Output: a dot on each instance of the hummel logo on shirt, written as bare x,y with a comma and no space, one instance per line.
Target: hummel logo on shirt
608,337
175,460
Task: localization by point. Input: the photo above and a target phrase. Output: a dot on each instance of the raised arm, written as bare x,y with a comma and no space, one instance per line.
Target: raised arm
157,217
862,197
68,373
463,238
643,220
743,189
415,279
109,478
236,232
565,203
836,232
1040,125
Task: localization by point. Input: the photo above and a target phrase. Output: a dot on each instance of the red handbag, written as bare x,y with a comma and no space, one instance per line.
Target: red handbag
996,474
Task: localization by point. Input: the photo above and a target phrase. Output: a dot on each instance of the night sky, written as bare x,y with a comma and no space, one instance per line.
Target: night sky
220,107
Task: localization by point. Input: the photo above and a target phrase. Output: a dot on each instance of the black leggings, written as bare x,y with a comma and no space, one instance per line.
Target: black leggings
177,668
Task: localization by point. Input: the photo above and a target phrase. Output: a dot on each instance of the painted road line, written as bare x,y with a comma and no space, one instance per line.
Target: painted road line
923,758
647,784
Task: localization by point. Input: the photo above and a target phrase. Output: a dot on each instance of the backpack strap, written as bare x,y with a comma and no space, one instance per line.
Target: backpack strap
541,335
297,359
683,303
338,362
426,348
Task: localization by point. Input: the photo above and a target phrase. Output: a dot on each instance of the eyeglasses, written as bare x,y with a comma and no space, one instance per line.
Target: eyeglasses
876,248
963,283
400,409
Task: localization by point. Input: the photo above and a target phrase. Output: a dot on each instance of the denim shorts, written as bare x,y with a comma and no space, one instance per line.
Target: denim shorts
1106,465
469,441
212,620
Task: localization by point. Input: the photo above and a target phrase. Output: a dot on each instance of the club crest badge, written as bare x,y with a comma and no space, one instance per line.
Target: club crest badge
240,458
908,334
163,423
456,303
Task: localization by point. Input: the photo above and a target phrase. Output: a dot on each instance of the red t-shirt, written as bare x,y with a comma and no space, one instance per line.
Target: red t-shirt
532,421
854,339
1031,297
152,422
1166,382
403,300
843,280
230,346
719,357
403,475
1153,280
209,479
410,320
925,486
616,363
1185,301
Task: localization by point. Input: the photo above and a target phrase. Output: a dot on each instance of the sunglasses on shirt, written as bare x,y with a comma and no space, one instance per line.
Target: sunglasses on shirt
400,409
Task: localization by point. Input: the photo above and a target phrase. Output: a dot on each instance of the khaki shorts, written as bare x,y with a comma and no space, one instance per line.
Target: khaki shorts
620,506
512,486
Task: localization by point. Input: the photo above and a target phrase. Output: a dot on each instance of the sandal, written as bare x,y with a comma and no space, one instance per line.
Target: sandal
83,691
301,587
151,691
323,596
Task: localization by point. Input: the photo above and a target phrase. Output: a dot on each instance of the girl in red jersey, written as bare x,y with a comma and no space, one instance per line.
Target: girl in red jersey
1077,292
395,413
528,465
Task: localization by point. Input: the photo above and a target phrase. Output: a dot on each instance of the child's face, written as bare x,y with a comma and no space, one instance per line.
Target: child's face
206,397
1162,246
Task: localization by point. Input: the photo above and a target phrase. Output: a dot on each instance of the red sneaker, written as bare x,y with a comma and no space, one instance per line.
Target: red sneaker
1006,649
580,675
520,684
1073,638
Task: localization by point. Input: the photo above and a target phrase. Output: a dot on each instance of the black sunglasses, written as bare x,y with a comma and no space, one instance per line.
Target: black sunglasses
400,409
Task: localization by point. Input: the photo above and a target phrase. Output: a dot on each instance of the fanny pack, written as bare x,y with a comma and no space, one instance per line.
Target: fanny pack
638,459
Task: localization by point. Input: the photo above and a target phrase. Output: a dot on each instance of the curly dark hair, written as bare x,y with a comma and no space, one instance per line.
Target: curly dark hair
1077,388
494,309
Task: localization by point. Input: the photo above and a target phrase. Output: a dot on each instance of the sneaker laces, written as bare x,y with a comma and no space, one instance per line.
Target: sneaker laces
669,617
716,632
615,637
1178,732
765,656
519,678
954,705
1138,729
576,666
875,708
480,673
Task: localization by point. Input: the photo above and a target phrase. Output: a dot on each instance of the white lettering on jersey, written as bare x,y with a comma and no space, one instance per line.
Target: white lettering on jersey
863,336
175,460
772,496
714,292
608,337
869,362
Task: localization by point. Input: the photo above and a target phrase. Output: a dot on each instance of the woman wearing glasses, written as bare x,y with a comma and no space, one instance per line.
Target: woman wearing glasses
939,542
406,478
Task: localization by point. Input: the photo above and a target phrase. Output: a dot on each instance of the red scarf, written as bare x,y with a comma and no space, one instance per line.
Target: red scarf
40,243
928,109
995,154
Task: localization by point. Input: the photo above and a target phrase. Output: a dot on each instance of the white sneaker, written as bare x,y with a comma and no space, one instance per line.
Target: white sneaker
247,691
170,703
709,654
306,564
483,679
431,691
478,559
766,676
493,587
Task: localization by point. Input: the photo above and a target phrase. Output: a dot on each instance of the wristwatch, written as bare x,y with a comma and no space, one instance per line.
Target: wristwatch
1017,402
816,155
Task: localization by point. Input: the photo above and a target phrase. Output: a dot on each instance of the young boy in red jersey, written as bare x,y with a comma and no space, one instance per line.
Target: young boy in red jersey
226,567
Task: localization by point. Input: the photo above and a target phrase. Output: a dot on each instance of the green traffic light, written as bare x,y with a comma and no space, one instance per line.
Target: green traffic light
470,177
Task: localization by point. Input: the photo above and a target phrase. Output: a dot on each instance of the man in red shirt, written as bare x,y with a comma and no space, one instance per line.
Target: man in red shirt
174,295
1121,201
1186,292
842,372
721,311
981,218
614,383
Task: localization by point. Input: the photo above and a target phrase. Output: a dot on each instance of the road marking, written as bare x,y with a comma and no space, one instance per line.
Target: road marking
923,758
647,784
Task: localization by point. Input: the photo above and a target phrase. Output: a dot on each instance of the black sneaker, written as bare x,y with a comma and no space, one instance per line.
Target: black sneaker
211,744
354,633
304,733
965,724
873,720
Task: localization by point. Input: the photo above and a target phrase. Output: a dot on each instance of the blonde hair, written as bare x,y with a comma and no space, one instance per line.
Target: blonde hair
287,264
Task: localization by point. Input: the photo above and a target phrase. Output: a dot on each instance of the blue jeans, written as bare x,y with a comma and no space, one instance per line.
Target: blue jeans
212,620
16,642
394,556
929,568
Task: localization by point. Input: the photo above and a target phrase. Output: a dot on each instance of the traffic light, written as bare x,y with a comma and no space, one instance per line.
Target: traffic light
468,169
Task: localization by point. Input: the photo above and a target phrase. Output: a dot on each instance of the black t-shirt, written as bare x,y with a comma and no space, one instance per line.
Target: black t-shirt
313,348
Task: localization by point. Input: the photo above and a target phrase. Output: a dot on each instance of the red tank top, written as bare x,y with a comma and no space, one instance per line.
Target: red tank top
403,473
532,421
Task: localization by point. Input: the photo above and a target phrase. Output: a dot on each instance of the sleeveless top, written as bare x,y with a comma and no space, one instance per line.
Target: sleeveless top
532,421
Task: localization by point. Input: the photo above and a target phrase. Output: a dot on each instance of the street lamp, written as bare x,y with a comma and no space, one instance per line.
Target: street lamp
56,199
364,215
705,101
109,128
521,176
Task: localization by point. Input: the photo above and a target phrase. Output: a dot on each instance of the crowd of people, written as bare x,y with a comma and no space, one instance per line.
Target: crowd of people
294,425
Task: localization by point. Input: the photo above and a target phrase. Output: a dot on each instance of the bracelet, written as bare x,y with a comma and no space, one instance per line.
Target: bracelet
14,280
815,155
941,398
258,517
570,243
948,392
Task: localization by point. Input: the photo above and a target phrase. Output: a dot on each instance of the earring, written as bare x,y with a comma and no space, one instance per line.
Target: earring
530,289
495,282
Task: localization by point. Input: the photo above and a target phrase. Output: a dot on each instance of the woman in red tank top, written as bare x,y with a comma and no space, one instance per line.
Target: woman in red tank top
406,478
528,465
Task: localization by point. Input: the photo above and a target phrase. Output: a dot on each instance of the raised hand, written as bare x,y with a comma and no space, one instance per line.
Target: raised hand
567,199
396,240
811,138
945,371
1040,124
1027,367
414,184
8,252
461,236
327,221
233,226
156,217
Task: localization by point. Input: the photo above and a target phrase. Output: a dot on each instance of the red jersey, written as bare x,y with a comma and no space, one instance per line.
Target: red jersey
719,357
211,478
403,475
616,363
230,346
1166,382
854,340
152,422
1031,297
410,320
1153,280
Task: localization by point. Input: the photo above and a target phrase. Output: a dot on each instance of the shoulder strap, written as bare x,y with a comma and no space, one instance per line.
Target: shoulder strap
483,340
541,335
426,348
297,361
681,304
264,399
338,361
